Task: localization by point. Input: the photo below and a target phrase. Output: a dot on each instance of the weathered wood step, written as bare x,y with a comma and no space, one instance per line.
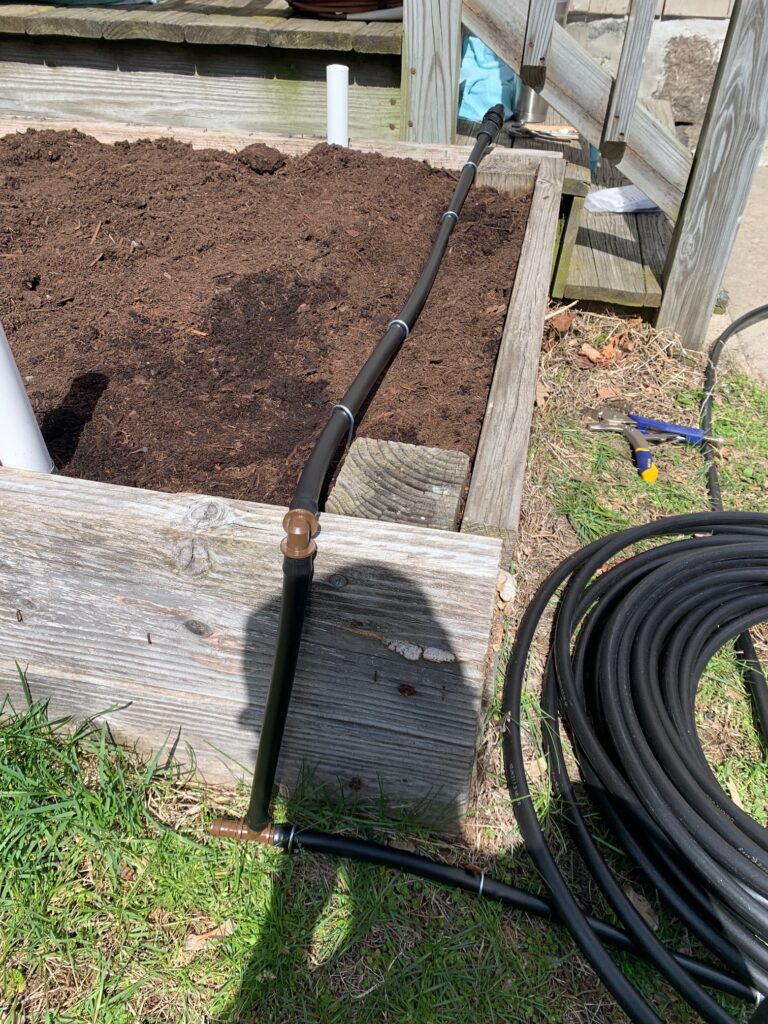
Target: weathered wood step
159,613
400,483
616,257
238,22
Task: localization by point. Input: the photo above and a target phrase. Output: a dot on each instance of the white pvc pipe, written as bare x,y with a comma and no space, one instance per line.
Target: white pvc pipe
21,443
337,81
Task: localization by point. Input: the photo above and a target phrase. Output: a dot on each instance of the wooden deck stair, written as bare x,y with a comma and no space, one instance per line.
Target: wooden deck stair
609,257
221,22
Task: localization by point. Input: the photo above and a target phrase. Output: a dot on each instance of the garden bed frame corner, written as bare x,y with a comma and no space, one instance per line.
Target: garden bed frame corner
160,610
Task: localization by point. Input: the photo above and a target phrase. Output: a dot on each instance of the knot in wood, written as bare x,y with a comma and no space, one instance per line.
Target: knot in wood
207,512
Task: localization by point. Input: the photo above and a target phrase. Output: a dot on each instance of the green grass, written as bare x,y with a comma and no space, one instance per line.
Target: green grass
108,866
99,893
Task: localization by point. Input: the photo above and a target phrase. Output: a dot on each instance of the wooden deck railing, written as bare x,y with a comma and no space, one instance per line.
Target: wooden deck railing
704,194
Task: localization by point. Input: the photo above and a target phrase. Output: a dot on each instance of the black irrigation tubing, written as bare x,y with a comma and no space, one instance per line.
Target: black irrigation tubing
344,417
633,632
301,525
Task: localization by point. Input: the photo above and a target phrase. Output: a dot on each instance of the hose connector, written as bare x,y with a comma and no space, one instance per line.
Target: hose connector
493,122
301,527
239,830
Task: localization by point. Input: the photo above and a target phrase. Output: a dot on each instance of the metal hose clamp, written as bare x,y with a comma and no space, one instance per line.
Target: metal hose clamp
403,324
471,163
450,213
291,837
482,884
351,419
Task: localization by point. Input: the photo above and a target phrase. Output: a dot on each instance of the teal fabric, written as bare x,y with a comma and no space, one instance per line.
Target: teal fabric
484,81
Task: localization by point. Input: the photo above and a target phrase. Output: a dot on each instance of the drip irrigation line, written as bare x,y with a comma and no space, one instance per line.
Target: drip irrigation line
638,616
315,472
301,524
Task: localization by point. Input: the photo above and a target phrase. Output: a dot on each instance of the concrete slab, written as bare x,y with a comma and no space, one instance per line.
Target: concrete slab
746,281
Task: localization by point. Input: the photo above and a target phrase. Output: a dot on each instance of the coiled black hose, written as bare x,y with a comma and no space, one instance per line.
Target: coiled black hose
632,635
629,645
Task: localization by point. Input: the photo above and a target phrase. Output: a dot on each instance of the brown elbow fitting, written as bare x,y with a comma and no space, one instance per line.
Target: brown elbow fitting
238,829
301,527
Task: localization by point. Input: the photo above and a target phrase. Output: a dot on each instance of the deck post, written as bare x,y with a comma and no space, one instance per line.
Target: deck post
626,88
724,166
431,61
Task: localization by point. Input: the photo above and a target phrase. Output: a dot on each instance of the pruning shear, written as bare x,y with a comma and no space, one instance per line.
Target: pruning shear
640,431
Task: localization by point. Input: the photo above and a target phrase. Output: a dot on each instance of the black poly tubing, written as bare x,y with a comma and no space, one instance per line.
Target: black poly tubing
630,641
313,476
297,573
297,577
627,651
755,677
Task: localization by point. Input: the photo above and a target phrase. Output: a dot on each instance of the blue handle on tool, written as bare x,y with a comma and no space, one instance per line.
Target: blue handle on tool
645,465
690,435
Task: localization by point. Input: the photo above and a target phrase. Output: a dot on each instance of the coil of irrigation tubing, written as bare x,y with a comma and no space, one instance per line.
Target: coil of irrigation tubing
638,615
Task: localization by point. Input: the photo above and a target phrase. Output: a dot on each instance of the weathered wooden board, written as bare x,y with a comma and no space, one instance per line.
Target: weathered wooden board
567,247
727,157
400,483
607,261
430,69
626,88
579,89
194,22
193,86
495,491
538,37
613,257
164,608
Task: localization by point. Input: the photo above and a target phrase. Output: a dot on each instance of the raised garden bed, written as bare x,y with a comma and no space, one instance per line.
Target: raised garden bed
185,320
165,606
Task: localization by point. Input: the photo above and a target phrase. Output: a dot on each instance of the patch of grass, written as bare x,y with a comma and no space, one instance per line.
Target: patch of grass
109,869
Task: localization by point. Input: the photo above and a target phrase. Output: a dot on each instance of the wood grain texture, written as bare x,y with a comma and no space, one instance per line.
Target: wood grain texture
495,492
538,37
609,264
514,170
400,483
579,89
727,157
567,247
193,86
227,29
164,608
626,88
14,17
245,24
430,69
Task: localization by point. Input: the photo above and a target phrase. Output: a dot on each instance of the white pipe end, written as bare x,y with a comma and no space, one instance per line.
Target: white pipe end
337,84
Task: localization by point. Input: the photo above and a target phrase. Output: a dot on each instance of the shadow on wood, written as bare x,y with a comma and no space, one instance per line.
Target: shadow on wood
165,607
378,714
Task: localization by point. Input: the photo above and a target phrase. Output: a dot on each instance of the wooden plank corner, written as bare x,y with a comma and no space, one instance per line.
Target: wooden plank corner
164,608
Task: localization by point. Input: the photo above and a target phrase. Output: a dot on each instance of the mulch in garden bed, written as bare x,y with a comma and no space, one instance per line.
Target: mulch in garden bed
184,320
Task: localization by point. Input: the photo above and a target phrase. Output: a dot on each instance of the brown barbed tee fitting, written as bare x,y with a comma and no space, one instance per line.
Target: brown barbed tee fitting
301,527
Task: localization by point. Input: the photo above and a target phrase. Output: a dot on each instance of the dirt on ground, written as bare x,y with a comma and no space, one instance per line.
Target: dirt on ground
184,320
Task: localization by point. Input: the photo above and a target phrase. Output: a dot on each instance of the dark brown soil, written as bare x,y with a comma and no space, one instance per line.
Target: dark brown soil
185,320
